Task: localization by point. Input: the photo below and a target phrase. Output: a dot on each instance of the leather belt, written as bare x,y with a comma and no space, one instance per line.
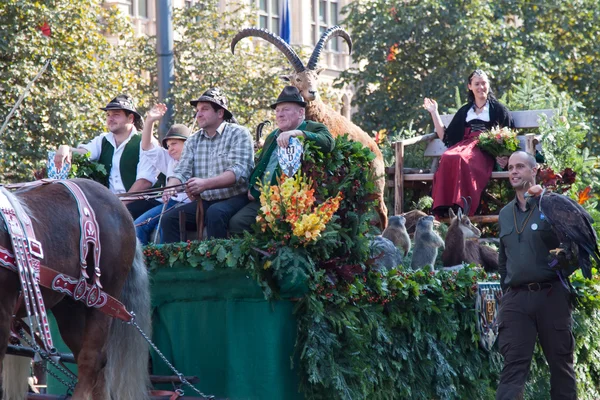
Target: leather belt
534,286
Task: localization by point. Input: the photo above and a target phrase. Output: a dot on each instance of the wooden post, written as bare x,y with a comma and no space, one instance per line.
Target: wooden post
530,142
182,230
399,178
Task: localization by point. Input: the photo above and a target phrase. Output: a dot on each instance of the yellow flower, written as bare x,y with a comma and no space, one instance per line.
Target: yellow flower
267,264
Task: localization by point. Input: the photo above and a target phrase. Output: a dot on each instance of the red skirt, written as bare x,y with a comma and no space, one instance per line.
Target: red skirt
464,171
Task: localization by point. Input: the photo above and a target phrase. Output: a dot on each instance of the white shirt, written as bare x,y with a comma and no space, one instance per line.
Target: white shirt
484,116
145,170
159,157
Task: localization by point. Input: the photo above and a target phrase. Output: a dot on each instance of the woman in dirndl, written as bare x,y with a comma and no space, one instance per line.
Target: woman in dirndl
465,169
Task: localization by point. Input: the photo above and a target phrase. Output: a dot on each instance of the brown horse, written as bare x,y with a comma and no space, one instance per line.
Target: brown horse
112,358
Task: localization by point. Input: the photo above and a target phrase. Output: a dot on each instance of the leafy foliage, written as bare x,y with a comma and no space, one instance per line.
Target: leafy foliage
83,167
417,49
86,72
203,59
88,69
364,334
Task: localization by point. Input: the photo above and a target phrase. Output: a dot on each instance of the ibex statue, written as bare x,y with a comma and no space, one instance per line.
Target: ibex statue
306,79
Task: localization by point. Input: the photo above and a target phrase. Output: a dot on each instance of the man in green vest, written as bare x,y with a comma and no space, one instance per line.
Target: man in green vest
119,151
289,117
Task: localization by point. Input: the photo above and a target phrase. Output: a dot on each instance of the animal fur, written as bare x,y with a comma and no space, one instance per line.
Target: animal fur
384,253
461,248
396,232
306,79
426,245
338,125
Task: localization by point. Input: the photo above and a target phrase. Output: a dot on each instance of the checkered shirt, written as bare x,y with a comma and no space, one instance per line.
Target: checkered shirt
230,149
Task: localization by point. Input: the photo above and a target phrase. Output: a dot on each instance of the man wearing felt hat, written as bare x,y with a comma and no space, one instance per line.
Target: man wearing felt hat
215,166
289,117
118,150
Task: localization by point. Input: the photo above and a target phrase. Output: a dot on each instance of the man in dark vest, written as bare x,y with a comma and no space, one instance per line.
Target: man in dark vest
215,165
289,116
119,151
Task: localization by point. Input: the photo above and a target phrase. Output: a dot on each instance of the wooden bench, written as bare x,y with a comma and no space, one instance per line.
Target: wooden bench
435,148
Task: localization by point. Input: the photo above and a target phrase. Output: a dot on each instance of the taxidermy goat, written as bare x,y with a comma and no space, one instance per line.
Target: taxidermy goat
462,245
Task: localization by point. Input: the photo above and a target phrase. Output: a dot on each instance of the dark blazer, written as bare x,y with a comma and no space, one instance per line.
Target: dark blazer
499,115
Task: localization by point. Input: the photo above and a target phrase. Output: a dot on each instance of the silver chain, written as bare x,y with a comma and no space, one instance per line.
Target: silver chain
161,355
48,358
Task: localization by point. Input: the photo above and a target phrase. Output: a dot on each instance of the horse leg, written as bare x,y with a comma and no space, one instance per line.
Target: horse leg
14,369
91,360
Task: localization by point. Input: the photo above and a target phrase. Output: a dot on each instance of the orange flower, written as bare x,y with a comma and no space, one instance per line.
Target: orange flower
584,195
394,50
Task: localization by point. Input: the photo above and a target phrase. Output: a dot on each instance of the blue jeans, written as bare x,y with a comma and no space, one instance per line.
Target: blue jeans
144,231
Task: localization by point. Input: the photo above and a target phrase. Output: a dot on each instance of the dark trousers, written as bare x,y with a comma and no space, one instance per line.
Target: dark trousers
525,316
217,214
138,207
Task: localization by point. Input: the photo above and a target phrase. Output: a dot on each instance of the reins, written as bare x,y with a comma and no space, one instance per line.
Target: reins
148,194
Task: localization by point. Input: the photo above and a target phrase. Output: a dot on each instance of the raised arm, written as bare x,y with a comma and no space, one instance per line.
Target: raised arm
432,106
153,115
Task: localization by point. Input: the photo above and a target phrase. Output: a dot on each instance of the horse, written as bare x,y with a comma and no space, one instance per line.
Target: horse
112,358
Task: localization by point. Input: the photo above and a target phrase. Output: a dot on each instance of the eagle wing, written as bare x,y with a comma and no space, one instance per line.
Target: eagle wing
572,224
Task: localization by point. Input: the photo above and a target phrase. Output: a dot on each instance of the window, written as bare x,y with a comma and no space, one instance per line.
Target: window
268,15
143,8
188,3
324,16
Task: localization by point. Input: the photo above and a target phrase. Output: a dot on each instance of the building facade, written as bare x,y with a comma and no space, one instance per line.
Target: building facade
308,18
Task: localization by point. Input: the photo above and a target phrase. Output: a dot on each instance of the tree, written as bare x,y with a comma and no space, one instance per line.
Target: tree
85,73
203,59
95,56
408,50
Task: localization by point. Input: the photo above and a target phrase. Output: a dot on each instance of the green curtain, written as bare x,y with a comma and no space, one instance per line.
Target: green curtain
217,325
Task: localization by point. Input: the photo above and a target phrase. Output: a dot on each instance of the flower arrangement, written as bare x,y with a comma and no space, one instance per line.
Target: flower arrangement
288,210
499,141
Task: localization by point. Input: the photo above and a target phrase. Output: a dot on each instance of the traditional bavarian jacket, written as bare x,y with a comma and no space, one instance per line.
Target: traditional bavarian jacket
498,115
267,160
123,163
230,149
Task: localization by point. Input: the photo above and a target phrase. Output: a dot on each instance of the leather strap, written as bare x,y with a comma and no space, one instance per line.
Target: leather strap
90,234
63,283
27,255
152,191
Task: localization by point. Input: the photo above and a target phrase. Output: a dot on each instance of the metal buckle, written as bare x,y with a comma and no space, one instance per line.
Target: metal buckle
35,248
534,287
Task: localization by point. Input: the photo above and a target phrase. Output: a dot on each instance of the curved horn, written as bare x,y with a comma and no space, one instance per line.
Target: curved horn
466,204
274,39
325,37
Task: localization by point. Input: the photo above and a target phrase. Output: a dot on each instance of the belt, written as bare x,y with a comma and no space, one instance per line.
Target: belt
534,286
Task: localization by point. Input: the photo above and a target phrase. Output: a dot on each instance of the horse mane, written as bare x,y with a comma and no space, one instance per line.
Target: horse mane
18,205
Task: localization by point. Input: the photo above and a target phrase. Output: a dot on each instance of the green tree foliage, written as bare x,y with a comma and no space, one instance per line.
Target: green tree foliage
85,73
415,49
96,56
203,59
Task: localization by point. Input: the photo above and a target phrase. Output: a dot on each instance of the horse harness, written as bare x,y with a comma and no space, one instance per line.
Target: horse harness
28,254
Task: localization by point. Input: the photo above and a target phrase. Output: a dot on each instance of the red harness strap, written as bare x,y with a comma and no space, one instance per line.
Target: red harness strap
59,282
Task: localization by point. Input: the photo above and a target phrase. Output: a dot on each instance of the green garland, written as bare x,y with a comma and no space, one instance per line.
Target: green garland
364,334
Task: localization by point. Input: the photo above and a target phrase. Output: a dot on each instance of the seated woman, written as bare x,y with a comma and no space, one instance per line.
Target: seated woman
464,168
